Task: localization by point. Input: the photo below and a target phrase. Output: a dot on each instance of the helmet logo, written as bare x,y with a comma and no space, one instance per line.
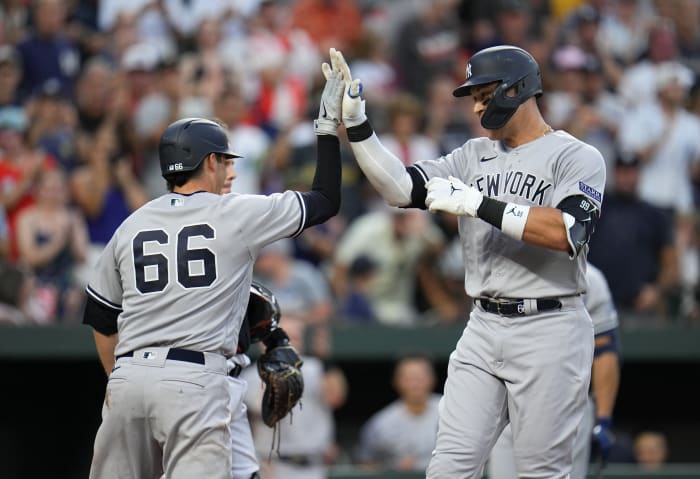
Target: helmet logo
469,71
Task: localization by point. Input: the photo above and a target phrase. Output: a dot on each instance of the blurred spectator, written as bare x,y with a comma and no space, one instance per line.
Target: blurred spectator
20,166
301,290
401,436
373,65
624,30
638,84
426,46
53,242
4,236
10,75
356,304
306,442
598,116
565,95
666,138
14,17
250,141
394,239
103,186
404,137
634,247
18,303
446,120
651,450
52,122
142,20
188,16
48,52
440,273
329,23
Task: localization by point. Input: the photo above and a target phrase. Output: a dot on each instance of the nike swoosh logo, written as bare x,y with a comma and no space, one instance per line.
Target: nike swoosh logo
483,158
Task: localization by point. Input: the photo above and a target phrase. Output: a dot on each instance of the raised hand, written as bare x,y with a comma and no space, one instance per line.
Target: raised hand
453,196
353,104
331,99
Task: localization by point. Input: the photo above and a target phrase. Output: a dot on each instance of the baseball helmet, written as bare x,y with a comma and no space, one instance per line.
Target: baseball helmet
186,142
513,67
263,312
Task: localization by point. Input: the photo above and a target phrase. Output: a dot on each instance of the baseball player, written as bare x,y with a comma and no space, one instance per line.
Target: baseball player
528,199
605,379
168,294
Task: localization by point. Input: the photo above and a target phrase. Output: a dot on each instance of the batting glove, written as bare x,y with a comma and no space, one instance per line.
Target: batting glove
353,104
452,196
603,438
331,99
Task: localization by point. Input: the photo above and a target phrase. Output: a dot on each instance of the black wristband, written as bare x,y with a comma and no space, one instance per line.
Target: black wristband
360,132
491,211
276,338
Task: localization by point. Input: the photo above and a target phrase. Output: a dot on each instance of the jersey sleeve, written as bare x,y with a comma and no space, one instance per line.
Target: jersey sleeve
105,285
265,219
580,171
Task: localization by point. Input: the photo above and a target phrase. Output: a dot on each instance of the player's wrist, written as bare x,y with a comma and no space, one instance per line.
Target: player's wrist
359,132
604,421
510,218
324,126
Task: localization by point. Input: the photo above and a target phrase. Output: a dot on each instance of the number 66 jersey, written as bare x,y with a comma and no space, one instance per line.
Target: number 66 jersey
178,270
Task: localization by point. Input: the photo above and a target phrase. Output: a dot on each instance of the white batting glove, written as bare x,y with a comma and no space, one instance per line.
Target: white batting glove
331,99
353,104
452,196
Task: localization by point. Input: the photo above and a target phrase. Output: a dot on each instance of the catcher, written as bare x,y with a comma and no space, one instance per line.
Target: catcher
279,369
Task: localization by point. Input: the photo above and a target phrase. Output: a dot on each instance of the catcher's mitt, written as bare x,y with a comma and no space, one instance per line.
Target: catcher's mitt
280,370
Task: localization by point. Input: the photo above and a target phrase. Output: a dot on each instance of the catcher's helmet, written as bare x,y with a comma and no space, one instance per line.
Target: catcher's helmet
513,67
263,312
186,142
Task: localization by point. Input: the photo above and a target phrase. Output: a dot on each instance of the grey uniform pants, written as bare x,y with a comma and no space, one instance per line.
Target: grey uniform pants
533,371
165,418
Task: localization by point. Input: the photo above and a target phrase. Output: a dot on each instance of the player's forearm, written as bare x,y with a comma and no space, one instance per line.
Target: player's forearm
543,226
105,349
323,201
384,171
605,381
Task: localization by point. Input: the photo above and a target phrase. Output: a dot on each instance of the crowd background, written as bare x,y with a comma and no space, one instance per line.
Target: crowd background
87,87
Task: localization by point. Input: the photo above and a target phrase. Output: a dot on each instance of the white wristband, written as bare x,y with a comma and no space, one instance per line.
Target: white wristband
514,220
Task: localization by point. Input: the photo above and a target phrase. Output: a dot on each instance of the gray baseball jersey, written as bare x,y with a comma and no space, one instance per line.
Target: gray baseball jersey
532,370
162,264
600,306
540,173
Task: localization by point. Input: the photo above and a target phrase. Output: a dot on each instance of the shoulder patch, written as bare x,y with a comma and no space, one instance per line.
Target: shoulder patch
590,191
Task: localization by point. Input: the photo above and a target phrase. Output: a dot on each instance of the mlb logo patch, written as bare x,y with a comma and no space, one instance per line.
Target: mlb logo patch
590,191
176,202
149,355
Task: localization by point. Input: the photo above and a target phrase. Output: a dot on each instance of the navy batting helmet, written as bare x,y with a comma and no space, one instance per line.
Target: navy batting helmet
513,67
185,143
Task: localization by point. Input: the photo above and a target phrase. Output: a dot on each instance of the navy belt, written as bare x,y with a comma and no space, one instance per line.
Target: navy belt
176,354
188,356
516,307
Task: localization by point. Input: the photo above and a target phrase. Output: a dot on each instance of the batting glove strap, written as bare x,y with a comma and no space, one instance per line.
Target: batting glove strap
326,127
360,132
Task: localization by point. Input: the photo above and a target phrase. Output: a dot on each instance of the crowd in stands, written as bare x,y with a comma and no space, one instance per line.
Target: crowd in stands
87,87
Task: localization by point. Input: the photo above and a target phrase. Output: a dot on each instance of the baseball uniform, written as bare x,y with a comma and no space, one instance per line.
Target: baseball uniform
598,302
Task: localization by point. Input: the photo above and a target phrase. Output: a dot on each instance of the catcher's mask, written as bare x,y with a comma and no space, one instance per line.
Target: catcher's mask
186,142
514,68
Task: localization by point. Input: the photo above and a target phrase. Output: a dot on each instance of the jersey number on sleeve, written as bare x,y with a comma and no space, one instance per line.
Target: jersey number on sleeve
185,255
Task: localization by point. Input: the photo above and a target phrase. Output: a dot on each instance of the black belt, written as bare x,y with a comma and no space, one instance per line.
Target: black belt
516,307
187,356
299,460
174,353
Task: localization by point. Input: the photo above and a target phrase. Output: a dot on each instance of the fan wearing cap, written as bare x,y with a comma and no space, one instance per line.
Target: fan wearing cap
527,199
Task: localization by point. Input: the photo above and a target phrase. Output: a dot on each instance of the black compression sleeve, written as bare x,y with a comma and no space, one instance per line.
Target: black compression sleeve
323,201
418,192
100,317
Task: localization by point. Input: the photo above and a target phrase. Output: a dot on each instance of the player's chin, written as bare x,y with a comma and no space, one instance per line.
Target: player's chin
226,189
